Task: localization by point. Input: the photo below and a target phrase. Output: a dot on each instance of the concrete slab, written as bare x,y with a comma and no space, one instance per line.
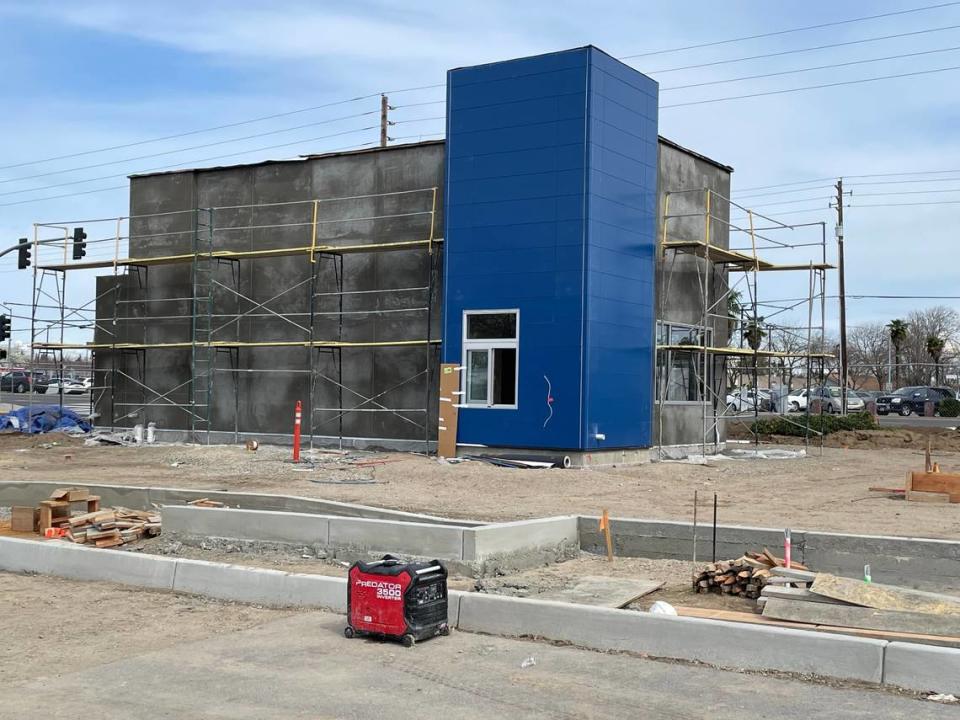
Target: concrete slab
610,592
282,527
19,555
500,538
434,541
922,667
257,585
302,667
731,645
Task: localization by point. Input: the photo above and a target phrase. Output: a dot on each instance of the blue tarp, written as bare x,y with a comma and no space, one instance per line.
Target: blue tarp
43,418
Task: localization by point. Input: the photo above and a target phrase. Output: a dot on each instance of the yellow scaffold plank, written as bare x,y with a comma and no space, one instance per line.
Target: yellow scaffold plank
232,344
245,254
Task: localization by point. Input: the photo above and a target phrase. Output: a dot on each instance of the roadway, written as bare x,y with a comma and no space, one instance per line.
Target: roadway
300,666
911,421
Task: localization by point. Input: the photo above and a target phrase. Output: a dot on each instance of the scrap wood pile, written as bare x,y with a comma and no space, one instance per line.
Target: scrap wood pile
74,514
746,576
112,527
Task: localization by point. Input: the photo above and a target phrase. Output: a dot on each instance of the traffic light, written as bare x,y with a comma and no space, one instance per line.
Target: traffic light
23,254
79,243
4,327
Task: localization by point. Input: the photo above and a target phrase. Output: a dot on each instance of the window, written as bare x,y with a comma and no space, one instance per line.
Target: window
680,372
490,357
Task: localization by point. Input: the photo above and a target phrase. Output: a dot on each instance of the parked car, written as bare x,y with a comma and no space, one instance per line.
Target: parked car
70,386
797,400
87,383
743,400
908,400
832,401
20,381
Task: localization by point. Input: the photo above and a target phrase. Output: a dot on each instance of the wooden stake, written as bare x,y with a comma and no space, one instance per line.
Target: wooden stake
605,527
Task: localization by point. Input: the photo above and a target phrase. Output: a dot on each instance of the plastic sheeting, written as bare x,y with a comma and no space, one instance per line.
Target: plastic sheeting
43,418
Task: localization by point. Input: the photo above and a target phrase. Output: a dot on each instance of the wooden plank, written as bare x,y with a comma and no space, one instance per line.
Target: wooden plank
754,619
449,398
884,597
928,497
861,617
799,594
936,482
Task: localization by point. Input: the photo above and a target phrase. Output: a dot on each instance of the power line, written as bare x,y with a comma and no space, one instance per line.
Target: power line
908,192
871,175
215,157
904,182
791,30
938,202
802,50
213,128
810,69
186,149
813,87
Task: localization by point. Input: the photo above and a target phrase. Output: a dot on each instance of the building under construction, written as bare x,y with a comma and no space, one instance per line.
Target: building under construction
543,252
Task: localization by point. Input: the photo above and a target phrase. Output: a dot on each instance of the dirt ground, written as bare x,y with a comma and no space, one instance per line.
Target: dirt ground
43,636
822,492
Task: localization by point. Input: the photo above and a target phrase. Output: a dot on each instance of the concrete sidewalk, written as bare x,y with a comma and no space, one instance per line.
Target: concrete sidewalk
302,667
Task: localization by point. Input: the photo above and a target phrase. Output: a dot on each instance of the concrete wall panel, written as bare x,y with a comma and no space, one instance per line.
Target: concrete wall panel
502,538
922,667
282,527
391,537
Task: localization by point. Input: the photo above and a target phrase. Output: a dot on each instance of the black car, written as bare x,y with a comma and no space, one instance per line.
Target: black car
909,400
19,381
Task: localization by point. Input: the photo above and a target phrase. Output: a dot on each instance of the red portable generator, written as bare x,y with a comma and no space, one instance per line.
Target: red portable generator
401,601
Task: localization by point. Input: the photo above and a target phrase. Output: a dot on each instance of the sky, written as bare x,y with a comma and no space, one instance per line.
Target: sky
82,76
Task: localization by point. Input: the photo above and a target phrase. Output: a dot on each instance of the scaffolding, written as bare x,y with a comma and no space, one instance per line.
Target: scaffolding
690,223
218,246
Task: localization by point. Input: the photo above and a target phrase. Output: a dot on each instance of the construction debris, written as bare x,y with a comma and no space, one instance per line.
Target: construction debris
116,526
746,576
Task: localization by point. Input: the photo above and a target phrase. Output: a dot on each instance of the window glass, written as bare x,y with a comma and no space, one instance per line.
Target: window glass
504,376
492,326
477,362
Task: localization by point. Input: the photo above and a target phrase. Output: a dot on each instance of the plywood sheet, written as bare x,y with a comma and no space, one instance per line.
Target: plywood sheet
884,597
449,399
862,617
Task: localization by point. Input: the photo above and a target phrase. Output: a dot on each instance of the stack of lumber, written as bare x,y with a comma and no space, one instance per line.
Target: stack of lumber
112,527
746,576
821,599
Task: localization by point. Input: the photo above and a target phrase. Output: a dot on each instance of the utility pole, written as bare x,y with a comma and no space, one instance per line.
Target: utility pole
384,120
843,299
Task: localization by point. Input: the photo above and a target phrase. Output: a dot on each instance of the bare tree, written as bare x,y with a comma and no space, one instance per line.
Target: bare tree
868,348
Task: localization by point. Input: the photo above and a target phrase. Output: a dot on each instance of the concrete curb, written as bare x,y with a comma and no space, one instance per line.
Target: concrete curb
523,535
729,645
31,492
724,644
922,667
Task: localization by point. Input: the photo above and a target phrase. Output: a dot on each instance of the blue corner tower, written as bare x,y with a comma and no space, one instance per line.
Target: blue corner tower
550,215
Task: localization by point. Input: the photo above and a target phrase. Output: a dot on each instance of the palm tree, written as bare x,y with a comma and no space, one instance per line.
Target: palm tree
935,347
898,336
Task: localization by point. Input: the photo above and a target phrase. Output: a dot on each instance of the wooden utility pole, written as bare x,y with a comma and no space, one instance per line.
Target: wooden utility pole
384,120
843,299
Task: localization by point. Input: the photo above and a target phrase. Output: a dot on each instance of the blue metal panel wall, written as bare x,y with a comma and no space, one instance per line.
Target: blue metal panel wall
620,270
514,234
550,209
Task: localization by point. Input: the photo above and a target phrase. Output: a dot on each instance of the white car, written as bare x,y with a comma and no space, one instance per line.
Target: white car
797,400
743,401
69,387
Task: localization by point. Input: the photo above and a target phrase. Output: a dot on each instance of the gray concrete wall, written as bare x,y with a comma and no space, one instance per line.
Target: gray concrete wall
255,389
682,279
920,563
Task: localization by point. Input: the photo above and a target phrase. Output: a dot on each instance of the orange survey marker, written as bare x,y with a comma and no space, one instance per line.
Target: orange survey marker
605,528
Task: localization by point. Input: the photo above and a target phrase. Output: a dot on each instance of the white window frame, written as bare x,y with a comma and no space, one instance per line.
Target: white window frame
490,345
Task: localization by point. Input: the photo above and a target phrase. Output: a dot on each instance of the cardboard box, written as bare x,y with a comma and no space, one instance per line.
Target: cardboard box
24,518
